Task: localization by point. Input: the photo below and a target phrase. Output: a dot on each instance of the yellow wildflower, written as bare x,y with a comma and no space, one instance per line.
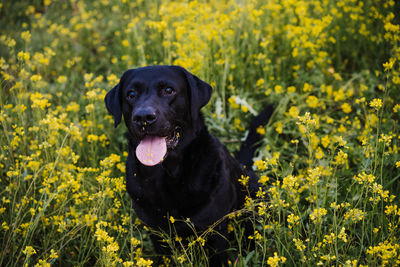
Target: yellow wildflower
263,179
376,103
312,101
346,108
317,214
28,251
275,260
293,112
244,180
260,130
278,89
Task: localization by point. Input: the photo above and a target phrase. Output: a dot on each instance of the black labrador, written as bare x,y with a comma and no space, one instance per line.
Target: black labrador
175,167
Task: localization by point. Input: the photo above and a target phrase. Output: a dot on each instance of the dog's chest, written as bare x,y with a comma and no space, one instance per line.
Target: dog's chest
174,195
156,197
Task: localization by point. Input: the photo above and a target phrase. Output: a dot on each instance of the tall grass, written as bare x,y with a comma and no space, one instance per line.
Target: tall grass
329,161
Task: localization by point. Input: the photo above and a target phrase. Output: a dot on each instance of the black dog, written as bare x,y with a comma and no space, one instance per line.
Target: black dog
175,167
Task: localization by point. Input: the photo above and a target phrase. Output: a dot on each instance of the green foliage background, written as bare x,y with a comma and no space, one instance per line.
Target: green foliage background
329,161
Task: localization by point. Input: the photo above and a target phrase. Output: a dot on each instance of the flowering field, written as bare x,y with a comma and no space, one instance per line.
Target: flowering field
329,160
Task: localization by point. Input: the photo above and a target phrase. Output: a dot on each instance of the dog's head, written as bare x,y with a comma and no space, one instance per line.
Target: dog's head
159,104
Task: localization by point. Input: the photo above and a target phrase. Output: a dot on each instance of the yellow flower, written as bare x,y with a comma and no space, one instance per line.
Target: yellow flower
201,241
293,220
279,127
263,179
181,259
278,89
73,107
387,139
291,89
89,108
339,95
143,263
299,244
376,103
341,158
260,130
262,208
26,35
275,260
61,79
364,178
293,112
28,251
125,43
244,180
238,124
53,254
232,102
171,219
307,87
392,209
260,193
110,161
354,215
337,77
325,141
342,235
317,214
319,154
92,138
4,224
268,92
386,251
257,235
312,101
36,77
260,82
389,65
39,100
23,55
111,247
307,120
346,108
112,79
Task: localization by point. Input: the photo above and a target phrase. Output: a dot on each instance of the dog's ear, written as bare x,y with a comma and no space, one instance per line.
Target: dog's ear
199,93
113,98
113,104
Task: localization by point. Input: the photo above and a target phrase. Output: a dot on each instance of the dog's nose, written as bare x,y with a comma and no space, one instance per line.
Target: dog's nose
144,117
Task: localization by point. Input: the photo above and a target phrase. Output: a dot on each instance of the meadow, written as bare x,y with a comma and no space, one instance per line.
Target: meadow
329,161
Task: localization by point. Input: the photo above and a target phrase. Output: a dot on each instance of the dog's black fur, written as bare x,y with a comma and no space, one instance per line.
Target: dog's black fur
198,179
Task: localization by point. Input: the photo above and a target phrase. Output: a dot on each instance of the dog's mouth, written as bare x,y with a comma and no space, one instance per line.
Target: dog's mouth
153,149
173,138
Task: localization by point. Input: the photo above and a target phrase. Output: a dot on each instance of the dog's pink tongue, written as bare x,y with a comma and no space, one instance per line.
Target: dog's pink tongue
151,150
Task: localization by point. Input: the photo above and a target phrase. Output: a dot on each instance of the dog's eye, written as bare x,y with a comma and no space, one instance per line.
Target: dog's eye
131,94
169,91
